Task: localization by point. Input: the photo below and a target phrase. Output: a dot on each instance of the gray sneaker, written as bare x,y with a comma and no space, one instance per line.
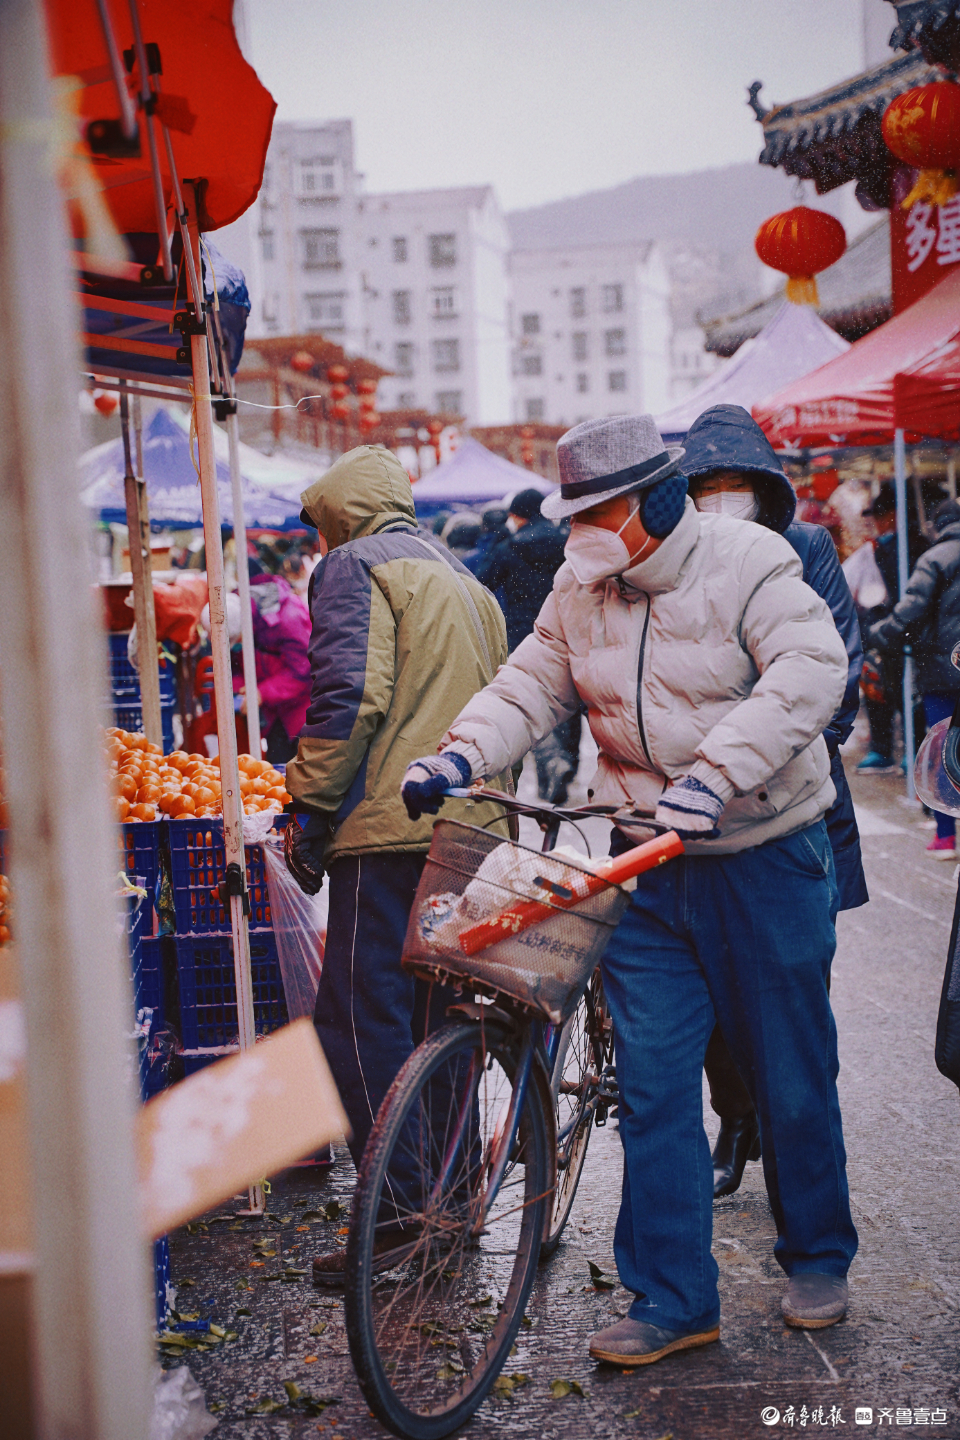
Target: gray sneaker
635,1342
813,1301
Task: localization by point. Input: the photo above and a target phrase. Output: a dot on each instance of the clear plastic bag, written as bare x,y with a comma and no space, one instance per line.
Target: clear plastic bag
300,925
179,1408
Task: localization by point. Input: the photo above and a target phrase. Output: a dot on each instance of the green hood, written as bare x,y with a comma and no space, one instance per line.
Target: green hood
366,490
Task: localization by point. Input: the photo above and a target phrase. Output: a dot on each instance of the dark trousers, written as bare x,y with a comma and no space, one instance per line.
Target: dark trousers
370,1013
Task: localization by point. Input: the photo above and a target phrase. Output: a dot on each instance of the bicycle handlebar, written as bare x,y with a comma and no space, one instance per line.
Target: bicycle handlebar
515,806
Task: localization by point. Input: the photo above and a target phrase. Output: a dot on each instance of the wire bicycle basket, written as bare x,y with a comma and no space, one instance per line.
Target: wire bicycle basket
477,886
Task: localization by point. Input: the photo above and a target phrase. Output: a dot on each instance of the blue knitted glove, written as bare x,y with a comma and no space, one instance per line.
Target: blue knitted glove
691,808
425,780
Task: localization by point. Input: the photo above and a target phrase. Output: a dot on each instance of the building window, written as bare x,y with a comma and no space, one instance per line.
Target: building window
320,249
617,380
406,400
325,310
446,356
266,244
583,383
271,305
450,402
580,345
611,298
318,177
399,243
578,303
535,409
443,302
615,342
531,365
443,250
403,358
401,307
530,324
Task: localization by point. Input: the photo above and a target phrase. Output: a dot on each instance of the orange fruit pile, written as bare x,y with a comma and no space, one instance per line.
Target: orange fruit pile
4,910
150,785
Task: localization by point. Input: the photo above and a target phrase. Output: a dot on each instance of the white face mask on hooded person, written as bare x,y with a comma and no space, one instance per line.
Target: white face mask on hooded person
595,554
738,504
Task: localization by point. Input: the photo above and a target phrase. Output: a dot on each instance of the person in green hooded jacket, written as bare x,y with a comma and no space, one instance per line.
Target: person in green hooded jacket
402,637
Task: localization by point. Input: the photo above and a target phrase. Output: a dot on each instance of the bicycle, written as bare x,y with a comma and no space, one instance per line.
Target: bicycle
463,1185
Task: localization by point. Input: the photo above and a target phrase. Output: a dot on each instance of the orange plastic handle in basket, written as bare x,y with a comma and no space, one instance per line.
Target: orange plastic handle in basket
612,872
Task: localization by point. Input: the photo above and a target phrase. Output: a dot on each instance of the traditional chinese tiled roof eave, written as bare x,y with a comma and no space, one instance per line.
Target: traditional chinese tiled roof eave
930,26
835,136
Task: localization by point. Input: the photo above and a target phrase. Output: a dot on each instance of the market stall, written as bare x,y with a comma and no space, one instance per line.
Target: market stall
792,344
473,476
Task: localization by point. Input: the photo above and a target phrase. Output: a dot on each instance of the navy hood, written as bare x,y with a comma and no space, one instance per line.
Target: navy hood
725,437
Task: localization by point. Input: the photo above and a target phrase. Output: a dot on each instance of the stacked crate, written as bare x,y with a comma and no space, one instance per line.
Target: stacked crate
125,688
204,943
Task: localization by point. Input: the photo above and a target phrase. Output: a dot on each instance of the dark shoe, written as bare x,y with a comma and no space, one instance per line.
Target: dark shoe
738,1142
388,1250
813,1301
635,1342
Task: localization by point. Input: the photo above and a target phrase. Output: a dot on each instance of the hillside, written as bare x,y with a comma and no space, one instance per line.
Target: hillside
705,221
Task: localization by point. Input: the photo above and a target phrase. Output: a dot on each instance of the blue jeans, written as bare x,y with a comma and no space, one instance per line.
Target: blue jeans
745,940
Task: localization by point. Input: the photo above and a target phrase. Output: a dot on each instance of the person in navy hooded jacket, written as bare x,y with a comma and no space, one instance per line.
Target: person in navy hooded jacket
733,470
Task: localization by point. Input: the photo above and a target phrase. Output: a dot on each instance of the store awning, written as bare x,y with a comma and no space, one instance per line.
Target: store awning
901,376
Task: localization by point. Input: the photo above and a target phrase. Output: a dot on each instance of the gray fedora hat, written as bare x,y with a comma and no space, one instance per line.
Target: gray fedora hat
602,458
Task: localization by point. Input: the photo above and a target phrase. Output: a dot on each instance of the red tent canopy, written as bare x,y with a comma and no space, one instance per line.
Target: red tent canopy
218,112
904,375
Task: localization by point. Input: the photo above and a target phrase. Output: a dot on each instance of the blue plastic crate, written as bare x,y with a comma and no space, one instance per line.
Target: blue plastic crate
148,995
125,681
197,865
128,715
140,855
161,1279
208,991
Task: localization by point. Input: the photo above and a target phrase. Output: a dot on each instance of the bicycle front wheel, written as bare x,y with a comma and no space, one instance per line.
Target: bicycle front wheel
441,1258
586,1044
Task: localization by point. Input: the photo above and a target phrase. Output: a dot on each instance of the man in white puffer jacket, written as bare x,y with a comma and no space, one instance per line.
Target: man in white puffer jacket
709,670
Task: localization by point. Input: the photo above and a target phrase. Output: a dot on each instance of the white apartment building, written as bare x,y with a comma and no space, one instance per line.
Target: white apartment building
435,301
591,331
690,363
299,244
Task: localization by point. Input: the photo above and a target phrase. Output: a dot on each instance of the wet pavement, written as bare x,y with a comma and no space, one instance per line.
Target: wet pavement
897,1355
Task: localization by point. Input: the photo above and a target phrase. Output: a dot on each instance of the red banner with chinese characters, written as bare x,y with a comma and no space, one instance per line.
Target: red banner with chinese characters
924,241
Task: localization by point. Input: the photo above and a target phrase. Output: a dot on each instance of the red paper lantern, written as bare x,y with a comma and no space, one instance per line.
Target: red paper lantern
339,392
366,387
800,243
302,361
922,128
434,427
369,420
339,412
104,402
337,373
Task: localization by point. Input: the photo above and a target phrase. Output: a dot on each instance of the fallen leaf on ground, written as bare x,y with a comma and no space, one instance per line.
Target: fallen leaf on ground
599,1280
559,1389
319,1328
309,1359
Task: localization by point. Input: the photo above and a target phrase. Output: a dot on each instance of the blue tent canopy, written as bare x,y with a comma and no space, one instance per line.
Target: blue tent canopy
173,489
473,476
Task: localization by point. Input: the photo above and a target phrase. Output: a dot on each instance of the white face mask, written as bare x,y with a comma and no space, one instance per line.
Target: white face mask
595,554
739,504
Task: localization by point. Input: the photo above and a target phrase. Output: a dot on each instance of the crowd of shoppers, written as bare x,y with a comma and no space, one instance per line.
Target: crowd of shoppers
669,593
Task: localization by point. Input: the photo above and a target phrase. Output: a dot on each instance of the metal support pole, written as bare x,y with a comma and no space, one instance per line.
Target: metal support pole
903,575
222,675
134,493
243,587
90,1291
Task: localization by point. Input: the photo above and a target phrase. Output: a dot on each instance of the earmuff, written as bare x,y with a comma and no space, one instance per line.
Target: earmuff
661,506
